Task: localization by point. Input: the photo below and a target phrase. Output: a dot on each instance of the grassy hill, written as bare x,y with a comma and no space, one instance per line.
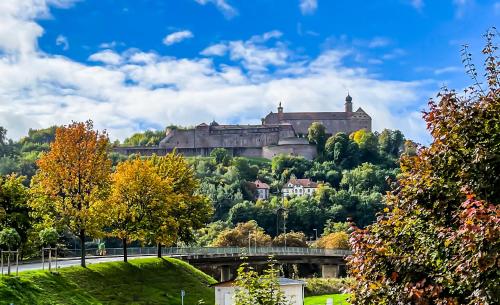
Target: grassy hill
141,281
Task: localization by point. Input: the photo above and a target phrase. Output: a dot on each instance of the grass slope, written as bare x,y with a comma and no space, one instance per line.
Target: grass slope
338,299
141,281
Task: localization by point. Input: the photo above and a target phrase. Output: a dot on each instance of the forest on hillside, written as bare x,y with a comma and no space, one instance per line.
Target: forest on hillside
353,173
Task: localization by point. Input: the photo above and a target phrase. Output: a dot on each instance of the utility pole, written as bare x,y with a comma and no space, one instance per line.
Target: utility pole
316,233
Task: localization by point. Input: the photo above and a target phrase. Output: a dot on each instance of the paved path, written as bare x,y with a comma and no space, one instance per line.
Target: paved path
70,262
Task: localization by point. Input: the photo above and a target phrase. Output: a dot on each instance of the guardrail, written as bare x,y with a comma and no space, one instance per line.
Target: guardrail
212,251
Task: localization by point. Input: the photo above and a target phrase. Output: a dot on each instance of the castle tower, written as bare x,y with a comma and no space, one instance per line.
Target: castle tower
348,103
280,108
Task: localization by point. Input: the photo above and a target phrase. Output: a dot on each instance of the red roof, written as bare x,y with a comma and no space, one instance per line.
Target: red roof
261,185
303,182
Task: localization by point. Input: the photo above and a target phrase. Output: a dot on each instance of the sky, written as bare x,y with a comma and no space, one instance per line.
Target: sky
133,65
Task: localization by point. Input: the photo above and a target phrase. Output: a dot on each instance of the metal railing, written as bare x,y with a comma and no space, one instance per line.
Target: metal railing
212,251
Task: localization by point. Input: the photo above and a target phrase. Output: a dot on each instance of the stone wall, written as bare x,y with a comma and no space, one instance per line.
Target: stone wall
307,151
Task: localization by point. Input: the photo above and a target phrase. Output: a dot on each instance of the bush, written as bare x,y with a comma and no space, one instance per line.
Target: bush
48,236
9,238
320,286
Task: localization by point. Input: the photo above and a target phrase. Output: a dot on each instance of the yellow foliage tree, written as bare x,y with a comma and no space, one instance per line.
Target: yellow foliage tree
337,240
138,193
190,210
72,182
243,235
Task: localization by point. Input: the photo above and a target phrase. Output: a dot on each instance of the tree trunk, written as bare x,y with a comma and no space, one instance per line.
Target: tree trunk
82,246
159,250
125,256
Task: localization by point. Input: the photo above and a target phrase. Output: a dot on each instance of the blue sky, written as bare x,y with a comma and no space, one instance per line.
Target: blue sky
131,65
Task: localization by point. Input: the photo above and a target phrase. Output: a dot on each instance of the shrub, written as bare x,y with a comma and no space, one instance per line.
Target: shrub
320,286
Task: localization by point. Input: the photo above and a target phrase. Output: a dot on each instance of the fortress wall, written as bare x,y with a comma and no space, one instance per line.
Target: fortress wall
332,126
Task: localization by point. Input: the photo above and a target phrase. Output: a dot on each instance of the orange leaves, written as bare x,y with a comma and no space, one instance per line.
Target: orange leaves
74,177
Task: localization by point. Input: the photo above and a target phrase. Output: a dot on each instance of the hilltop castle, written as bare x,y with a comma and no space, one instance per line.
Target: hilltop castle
279,133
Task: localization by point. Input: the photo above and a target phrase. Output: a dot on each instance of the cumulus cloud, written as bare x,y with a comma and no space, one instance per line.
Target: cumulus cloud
308,6
63,42
177,37
222,5
134,89
108,57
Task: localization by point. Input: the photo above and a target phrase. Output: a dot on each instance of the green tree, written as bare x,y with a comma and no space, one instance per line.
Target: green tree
391,142
9,238
316,134
48,236
368,145
14,210
258,289
334,227
221,156
342,151
367,178
438,240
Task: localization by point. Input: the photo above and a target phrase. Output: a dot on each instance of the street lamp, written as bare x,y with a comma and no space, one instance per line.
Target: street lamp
316,233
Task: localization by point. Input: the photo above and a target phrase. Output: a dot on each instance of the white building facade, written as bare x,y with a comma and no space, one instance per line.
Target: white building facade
293,290
299,187
262,190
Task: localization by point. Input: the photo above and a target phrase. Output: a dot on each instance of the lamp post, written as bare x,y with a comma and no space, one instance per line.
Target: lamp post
316,233
249,242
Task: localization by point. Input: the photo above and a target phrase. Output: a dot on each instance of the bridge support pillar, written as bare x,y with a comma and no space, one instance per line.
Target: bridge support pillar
329,271
225,273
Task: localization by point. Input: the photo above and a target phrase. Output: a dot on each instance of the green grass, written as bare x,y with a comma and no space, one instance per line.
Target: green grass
338,299
141,281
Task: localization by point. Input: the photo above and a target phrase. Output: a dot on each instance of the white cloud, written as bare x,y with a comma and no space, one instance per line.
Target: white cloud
136,89
177,37
222,5
461,7
308,6
396,53
449,69
219,49
107,57
63,42
379,42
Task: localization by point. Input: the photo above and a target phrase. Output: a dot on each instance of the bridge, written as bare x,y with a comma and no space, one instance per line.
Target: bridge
227,259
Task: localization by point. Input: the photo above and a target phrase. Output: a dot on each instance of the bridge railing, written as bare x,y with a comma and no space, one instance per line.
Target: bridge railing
211,251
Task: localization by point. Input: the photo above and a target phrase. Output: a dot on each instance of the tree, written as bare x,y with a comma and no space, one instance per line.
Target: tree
316,134
137,193
342,151
293,239
337,240
259,290
190,210
334,227
48,236
14,210
243,235
368,145
73,181
391,142
367,178
438,240
9,238
221,156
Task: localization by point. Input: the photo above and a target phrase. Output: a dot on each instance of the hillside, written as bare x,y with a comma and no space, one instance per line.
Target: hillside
141,281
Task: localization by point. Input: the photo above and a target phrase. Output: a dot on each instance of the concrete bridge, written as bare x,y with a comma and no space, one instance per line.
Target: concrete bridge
227,259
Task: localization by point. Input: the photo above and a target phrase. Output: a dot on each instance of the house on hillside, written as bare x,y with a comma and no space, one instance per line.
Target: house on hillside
262,190
299,187
293,290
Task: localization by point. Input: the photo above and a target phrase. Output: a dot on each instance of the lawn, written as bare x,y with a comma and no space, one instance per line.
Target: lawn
338,299
141,281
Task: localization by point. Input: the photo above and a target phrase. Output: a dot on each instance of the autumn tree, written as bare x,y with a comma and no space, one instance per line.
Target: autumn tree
293,239
188,209
336,240
138,193
73,181
438,241
243,235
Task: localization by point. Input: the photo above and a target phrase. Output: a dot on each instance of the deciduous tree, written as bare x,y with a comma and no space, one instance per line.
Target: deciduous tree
438,240
73,181
243,235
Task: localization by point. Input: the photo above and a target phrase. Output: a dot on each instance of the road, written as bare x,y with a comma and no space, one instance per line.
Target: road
70,262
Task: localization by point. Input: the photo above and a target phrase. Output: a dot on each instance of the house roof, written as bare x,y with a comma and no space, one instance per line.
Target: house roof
282,282
303,182
261,185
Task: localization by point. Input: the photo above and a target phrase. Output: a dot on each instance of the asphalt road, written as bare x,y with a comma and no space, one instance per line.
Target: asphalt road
68,263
